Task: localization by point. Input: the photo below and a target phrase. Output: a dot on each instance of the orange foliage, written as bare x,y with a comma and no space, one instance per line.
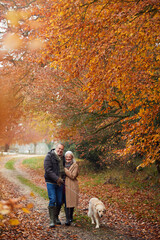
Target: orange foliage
114,46
10,111
9,207
98,56
27,133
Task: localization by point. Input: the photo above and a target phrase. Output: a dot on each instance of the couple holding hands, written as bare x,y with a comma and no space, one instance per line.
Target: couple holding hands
61,173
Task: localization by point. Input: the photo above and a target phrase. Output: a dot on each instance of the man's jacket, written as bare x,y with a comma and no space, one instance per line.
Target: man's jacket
51,167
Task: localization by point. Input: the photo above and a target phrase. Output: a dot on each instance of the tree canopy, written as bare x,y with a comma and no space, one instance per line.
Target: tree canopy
88,67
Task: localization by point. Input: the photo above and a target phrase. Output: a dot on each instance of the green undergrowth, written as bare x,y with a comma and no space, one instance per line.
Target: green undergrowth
34,162
136,191
123,180
40,191
84,222
121,176
10,164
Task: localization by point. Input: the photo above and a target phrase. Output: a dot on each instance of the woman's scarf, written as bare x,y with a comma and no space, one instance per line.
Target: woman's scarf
68,164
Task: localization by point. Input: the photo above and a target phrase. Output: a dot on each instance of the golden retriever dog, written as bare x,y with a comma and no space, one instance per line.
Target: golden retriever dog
96,210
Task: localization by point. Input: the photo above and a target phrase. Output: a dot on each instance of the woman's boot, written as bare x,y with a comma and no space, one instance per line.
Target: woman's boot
67,223
71,214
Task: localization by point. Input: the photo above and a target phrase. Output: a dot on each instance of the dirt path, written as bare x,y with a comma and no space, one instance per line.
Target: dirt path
37,221
11,176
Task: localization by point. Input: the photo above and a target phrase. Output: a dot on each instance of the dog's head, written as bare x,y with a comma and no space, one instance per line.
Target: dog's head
100,210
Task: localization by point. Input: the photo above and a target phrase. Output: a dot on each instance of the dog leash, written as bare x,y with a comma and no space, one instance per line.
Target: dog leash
72,190
76,194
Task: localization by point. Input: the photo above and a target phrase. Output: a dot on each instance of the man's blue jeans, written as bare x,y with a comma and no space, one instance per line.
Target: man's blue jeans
55,193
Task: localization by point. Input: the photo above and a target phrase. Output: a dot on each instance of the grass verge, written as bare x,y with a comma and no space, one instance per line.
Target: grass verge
34,162
10,164
40,191
134,191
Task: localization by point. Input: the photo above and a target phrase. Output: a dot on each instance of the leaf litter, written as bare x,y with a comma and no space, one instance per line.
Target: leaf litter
117,224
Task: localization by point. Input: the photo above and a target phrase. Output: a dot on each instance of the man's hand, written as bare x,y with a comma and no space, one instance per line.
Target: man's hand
60,181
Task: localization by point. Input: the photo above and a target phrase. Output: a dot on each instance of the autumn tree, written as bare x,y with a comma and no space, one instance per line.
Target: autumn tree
112,47
100,67
14,75
10,111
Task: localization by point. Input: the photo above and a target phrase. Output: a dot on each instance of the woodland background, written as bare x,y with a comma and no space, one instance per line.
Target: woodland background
83,72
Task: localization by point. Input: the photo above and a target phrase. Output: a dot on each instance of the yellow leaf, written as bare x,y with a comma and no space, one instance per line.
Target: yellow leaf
14,221
30,205
32,195
25,210
13,17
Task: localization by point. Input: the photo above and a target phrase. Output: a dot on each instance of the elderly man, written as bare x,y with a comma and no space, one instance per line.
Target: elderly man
54,178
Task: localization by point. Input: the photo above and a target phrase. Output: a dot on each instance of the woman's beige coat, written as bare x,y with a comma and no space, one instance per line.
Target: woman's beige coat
71,186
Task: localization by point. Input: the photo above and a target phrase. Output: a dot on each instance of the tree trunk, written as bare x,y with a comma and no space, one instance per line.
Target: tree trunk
35,144
6,147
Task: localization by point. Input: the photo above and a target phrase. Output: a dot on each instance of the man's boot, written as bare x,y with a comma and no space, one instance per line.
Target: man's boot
58,208
71,214
67,223
52,216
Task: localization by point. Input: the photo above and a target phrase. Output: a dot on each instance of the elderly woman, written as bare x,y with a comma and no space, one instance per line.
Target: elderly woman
71,186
